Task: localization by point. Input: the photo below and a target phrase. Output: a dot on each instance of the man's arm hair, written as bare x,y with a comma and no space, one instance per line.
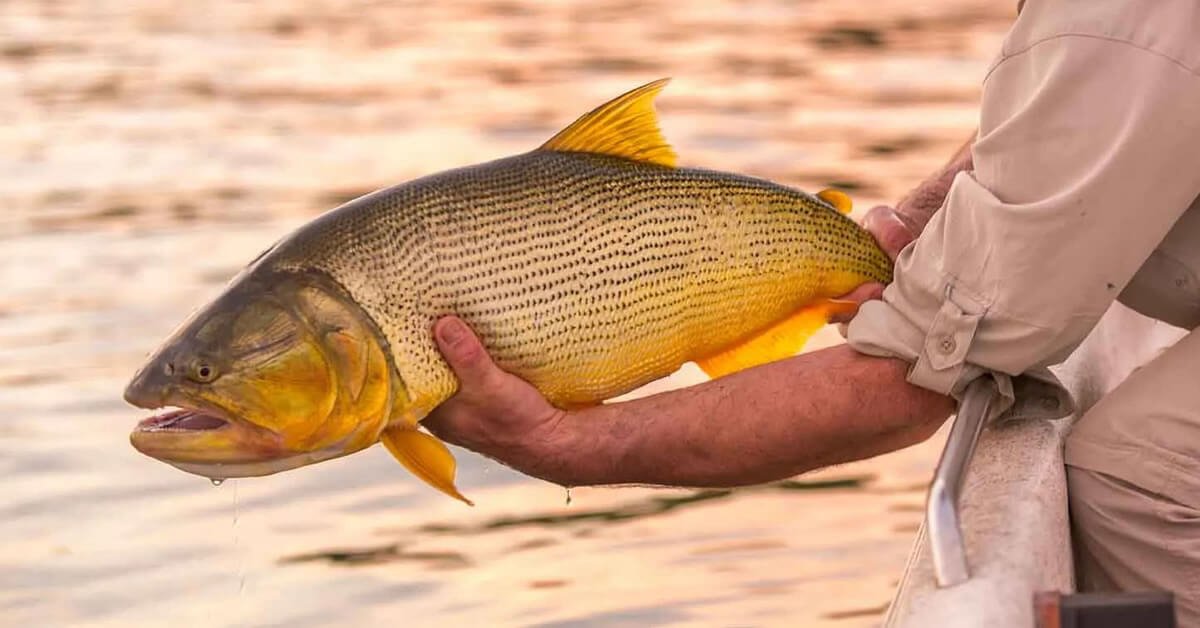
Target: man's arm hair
919,206
767,423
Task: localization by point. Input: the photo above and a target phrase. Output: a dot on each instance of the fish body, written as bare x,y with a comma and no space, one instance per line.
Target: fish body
586,275
587,267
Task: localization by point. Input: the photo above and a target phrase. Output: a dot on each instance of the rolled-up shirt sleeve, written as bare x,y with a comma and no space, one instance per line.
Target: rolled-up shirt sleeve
1087,154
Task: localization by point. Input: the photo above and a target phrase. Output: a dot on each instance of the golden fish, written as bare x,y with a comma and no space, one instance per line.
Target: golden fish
588,267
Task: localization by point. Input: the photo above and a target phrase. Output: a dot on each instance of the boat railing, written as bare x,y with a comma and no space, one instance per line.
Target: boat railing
948,550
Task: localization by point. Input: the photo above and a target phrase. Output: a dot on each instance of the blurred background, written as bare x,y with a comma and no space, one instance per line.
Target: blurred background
150,148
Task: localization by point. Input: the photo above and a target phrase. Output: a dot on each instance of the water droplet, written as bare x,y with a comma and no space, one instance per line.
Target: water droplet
237,508
217,481
568,496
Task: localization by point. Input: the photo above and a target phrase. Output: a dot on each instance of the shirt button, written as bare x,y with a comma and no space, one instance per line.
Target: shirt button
946,345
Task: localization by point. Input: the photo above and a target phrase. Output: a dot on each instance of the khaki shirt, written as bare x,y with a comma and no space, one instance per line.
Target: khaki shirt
1085,190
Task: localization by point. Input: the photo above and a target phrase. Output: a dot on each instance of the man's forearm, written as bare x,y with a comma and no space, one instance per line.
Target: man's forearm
927,198
767,423
919,206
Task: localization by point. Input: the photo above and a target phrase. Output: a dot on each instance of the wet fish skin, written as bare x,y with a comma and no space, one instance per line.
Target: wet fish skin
584,274
588,267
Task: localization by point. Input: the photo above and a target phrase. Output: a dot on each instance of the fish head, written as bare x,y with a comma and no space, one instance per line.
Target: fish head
280,371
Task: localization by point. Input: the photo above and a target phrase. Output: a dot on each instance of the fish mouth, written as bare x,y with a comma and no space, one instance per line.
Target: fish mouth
201,435
209,443
182,420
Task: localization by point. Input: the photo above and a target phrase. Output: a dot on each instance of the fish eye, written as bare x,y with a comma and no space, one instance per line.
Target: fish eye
202,372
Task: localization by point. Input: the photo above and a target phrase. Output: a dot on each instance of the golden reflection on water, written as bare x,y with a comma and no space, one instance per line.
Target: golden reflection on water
152,148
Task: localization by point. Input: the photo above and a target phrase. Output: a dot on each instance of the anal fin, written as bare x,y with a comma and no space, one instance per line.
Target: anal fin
782,340
425,457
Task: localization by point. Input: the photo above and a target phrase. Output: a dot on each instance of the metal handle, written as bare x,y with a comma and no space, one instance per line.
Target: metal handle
941,509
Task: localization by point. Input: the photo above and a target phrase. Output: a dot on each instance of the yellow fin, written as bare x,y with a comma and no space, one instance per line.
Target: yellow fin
780,341
837,198
425,456
625,126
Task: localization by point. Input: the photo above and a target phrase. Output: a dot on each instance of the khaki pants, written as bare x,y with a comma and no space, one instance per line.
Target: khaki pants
1134,482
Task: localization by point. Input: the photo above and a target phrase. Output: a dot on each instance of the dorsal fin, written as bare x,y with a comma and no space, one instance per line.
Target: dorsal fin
837,199
625,126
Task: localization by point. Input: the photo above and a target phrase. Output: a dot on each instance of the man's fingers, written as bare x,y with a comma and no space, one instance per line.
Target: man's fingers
859,295
891,230
463,351
454,421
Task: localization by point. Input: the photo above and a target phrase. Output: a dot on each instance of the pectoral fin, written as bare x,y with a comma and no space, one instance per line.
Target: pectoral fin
780,341
425,456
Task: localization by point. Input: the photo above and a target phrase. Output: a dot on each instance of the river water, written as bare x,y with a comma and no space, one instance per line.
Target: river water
150,148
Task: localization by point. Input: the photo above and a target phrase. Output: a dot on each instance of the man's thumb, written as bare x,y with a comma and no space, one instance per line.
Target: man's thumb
891,229
462,349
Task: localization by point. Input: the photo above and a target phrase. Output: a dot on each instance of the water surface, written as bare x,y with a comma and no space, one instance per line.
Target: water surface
151,148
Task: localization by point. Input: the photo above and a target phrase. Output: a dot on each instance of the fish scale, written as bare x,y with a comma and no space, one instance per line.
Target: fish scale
587,275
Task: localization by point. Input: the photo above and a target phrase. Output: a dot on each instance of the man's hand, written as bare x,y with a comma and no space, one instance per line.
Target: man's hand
494,412
893,231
